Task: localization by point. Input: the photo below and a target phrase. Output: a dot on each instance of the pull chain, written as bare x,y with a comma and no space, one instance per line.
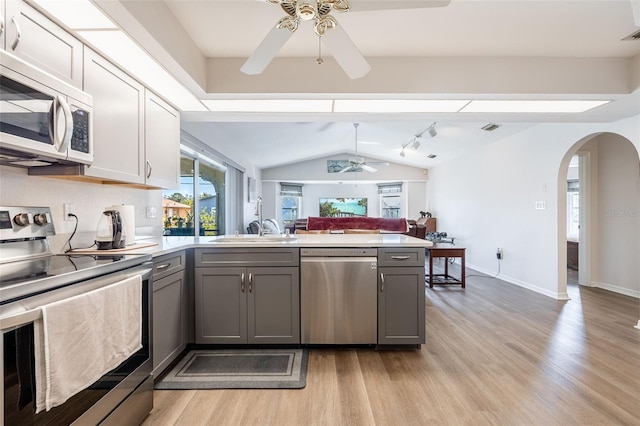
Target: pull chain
319,61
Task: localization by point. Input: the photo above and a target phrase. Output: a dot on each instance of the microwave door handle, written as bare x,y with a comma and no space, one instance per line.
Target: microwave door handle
60,113
16,40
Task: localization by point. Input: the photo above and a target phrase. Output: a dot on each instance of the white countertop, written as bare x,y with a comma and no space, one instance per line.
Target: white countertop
165,245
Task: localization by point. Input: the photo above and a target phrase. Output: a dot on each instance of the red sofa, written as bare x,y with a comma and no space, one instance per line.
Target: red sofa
398,225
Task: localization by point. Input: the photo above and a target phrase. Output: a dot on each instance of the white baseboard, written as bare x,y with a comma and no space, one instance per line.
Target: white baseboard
520,283
617,289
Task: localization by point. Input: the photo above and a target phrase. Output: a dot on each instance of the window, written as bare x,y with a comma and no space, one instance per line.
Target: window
179,206
390,199
573,208
290,202
390,206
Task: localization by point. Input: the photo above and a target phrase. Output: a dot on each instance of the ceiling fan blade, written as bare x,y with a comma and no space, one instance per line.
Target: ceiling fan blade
266,50
368,168
345,52
366,5
346,169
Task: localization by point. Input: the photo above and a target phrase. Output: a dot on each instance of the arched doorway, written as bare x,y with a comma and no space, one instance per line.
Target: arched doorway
609,214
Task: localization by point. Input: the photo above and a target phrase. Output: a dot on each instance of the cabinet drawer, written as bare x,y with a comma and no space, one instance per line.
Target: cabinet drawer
247,257
168,264
400,257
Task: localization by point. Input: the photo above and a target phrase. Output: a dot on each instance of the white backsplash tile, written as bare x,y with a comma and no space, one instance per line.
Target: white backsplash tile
17,188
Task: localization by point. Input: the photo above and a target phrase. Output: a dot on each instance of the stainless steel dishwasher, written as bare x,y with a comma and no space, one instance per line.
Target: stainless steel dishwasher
338,295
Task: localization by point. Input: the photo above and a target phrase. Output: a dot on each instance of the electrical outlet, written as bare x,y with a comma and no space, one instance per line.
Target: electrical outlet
68,208
499,253
151,212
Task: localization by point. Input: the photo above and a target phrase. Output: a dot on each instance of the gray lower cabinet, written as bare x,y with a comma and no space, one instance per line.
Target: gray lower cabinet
236,305
401,298
170,310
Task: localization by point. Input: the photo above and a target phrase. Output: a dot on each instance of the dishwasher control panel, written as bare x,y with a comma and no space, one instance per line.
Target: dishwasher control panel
339,252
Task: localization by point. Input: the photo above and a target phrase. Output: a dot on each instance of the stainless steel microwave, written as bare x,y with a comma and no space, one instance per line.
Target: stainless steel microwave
43,120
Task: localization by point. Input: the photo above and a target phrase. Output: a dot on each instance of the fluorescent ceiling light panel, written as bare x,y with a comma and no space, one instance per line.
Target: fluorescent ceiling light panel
77,14
268,105
532,106
398,105
123,51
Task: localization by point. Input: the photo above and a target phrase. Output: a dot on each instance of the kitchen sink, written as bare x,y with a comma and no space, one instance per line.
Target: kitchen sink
264,239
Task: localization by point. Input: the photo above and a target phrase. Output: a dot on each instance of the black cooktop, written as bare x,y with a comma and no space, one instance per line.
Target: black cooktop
26,277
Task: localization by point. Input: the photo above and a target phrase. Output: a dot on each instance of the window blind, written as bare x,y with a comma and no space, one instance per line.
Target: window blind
389,188
291,189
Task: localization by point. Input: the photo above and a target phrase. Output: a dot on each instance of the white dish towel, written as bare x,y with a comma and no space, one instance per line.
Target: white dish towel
80,339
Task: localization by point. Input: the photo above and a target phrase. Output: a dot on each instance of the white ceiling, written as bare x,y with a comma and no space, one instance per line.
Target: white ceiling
537,31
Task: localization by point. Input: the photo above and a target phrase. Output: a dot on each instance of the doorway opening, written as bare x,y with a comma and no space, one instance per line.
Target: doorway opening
599,215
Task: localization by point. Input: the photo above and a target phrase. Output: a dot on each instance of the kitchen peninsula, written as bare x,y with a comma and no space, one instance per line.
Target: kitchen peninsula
279,289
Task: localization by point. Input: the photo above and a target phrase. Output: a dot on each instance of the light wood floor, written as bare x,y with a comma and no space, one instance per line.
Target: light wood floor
496,354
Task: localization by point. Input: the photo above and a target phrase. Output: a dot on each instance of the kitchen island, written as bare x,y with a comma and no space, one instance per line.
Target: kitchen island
254,290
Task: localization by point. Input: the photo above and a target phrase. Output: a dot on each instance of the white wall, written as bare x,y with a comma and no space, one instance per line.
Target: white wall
618,213
89,199
487,200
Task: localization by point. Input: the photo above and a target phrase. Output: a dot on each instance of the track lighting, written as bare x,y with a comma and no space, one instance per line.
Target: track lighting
432,130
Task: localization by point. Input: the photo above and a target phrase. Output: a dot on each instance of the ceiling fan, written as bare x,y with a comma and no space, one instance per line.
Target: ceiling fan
331,34
357,164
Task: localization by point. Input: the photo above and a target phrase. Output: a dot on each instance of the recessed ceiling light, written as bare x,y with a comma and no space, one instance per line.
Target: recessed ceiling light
268,105
398,105
532,106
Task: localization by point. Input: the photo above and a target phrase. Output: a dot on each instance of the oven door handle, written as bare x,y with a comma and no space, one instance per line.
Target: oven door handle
28,310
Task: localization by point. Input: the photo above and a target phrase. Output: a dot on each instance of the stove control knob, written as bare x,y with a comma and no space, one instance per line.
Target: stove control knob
21,219
40,219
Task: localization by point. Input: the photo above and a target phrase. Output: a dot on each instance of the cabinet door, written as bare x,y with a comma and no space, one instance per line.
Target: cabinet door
162,143
118,131
401,306
168,320
273,305
39,41
3,23
221,305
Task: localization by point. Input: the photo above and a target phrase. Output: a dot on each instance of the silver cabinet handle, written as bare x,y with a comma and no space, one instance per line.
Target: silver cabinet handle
400,257
149,169
242,282
18,33
163,266
381,282
250,282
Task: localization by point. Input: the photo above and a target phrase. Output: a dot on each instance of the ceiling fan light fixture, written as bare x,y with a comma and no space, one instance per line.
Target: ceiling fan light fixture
307,10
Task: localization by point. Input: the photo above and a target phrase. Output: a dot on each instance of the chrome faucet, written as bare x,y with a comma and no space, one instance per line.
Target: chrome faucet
259,213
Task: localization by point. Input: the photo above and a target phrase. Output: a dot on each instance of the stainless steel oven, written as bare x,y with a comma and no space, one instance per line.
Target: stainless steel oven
43,120
32,277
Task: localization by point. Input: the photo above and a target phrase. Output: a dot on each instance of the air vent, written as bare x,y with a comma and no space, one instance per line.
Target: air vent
490,127
633,36
431,156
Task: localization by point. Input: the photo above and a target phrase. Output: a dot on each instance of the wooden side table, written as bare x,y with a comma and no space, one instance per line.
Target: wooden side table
446,251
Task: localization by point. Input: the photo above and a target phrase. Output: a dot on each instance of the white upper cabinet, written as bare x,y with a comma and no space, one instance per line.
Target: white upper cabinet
162,143
136,135
31,36
118,127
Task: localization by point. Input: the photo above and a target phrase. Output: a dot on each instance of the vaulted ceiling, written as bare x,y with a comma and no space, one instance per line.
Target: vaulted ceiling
467,50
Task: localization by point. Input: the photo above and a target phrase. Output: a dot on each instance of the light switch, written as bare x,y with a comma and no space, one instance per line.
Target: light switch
541,205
